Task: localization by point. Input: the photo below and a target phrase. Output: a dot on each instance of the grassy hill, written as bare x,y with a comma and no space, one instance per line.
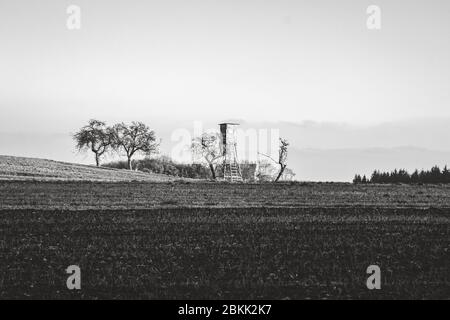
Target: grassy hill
18,168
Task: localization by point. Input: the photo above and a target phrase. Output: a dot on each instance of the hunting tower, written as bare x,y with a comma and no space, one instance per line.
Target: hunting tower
231,169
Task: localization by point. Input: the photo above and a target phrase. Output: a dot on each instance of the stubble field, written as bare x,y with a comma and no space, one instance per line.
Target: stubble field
223,241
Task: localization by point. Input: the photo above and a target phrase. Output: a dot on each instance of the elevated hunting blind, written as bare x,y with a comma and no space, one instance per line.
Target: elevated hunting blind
231,168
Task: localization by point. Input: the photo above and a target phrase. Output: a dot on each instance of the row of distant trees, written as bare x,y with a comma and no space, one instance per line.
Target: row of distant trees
138,139
264,171
434,175
165,165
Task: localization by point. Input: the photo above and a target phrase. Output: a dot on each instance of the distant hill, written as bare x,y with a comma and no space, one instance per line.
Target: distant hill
318,151
19,168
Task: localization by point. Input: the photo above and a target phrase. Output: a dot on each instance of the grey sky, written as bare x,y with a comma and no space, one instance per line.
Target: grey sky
253,60
170,62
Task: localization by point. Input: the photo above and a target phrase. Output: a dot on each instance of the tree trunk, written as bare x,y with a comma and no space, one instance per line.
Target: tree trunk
97,160
280,173
130,165
213,171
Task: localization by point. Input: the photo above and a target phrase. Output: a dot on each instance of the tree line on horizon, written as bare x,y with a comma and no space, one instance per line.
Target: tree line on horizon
434,175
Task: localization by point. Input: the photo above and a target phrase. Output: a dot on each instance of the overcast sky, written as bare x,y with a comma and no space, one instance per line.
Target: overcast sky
253,60
175,61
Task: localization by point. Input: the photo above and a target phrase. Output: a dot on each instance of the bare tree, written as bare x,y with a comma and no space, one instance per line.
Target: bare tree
282,158
94,136
208,148
134,139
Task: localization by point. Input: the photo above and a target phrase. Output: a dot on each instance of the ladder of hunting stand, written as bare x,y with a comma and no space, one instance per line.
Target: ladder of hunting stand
232,172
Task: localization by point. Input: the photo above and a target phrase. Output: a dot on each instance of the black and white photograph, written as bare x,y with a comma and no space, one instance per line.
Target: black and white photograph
224,155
